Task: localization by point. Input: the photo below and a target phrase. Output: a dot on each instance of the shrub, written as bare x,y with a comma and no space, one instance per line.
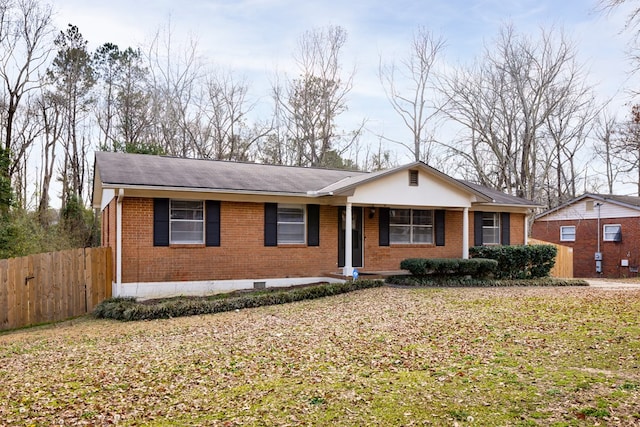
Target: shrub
459,281
128,309
449,266
518,262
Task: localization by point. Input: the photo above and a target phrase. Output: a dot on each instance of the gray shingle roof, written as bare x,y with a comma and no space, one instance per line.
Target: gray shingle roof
498,196
140,170
145,170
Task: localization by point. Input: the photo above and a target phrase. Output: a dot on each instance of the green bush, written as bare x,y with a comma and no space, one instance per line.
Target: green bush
449,266
129,309
459,281
518,262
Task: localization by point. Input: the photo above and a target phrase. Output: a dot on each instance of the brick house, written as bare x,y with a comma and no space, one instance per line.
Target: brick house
185,226
595,224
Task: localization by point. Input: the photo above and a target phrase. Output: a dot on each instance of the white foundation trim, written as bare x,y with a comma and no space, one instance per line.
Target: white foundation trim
147,290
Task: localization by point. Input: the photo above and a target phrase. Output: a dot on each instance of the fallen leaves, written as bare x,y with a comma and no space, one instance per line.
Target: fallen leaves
381,356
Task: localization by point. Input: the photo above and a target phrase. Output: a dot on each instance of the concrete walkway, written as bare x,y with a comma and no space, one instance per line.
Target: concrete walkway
611,284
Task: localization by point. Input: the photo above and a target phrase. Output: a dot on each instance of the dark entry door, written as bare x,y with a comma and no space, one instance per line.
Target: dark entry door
356,235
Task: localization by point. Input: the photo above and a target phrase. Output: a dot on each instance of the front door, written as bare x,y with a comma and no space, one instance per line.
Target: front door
356,235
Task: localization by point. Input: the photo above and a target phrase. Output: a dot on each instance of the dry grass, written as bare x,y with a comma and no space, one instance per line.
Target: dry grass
386,356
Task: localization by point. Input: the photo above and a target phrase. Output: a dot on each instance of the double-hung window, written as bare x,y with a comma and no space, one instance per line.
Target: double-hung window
291,224
568,233
612,233
186,223
490,228
411,226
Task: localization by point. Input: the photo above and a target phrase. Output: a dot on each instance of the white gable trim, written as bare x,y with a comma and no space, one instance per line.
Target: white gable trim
580,210
394,190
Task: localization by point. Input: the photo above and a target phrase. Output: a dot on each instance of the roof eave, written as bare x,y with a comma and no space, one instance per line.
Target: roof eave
310,194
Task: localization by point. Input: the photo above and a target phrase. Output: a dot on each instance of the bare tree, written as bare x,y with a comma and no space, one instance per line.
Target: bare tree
309,105
72,75
510,102
25,28
626,148
605,133
225,131
51,117
410,91
175,73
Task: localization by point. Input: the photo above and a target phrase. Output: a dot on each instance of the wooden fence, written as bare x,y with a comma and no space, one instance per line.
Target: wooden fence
53,286
564,260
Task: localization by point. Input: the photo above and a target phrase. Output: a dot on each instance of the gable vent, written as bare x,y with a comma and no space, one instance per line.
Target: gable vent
413,178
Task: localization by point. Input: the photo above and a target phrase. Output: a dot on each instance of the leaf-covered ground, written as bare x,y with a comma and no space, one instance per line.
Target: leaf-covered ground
385,356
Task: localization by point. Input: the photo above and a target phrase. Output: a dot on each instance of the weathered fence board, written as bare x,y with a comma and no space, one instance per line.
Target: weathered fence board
53,286
563,267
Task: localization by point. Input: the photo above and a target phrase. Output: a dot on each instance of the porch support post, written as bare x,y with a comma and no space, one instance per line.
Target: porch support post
465,233
526,229
118,283
347,270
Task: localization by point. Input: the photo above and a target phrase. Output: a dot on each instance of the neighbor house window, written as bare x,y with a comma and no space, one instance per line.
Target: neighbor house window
410,226
490,228
612,233
186,223
291,225
568,233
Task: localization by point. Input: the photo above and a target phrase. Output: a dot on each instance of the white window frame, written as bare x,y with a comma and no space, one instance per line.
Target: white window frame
495,227
412,227
172,221
303,237
567,236
611,234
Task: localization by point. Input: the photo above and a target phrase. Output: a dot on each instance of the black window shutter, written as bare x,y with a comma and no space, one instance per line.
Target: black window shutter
439,220
477,228
212,209
160,222
505,228
383,226
313,225
271,224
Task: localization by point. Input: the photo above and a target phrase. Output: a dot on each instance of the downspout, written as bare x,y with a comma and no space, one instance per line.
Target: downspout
526,229
119,241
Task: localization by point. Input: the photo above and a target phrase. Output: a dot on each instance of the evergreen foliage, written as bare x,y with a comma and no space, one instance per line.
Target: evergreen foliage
128,309
449,266
519,261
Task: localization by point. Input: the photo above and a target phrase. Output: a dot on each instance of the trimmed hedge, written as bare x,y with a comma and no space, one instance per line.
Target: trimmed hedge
129,309
476,267
452,282
520,261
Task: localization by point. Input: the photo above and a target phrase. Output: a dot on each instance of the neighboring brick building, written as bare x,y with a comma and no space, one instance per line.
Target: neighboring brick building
615,220
184,226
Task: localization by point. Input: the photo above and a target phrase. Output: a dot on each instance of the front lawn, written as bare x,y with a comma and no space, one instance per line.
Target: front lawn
382,356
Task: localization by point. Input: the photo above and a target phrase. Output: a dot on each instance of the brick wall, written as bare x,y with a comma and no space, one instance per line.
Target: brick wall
242,253
586,245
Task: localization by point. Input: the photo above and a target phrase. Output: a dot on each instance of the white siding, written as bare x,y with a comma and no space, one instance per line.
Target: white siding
579,210
394,190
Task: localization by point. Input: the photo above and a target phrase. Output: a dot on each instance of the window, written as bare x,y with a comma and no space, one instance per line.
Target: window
186,223
410,226
612,233
490,228
568,233
291,225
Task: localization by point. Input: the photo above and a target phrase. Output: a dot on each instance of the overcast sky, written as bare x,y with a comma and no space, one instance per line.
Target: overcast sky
257,37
